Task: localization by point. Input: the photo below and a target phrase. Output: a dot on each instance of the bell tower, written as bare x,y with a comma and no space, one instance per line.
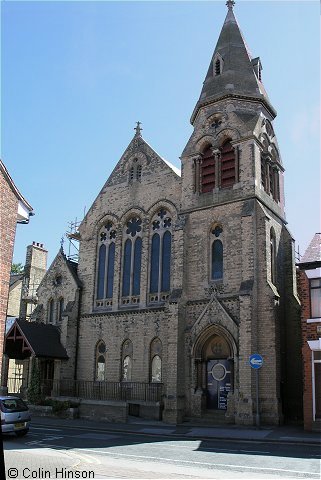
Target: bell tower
233,153
239,250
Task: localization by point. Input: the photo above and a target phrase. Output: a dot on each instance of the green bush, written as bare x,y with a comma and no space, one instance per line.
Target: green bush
34,395
59,407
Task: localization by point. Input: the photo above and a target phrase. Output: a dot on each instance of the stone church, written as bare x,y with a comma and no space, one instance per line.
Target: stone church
182,275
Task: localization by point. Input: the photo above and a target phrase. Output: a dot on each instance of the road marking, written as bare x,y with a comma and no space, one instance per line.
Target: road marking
203,463
47,429
52,438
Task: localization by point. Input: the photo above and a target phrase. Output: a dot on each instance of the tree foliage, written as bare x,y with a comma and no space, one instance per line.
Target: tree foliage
17,268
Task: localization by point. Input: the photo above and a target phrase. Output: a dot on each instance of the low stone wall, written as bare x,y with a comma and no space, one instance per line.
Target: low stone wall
107,411
47,411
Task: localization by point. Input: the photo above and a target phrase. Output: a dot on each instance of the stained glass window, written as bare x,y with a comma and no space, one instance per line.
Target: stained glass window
160,260
110,270
154,265
137,266
101,271
166,261
127,267
217,260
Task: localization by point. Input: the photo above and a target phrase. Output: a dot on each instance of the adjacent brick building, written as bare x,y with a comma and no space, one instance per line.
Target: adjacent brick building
309,286
183,275
14,209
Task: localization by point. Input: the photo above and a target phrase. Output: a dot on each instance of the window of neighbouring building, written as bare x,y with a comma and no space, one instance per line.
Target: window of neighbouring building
315,294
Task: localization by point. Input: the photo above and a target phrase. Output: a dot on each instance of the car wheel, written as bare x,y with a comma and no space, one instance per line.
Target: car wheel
21,433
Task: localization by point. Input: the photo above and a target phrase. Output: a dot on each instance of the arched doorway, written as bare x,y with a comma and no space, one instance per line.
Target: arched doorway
217,355
213,356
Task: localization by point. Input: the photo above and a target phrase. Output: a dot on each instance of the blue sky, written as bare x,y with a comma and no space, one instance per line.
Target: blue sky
76,76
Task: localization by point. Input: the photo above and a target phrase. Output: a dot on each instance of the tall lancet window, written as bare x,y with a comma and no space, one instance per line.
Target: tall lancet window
216,253
100,361
208,170
132,258
227,165
160,260
106,265
273,256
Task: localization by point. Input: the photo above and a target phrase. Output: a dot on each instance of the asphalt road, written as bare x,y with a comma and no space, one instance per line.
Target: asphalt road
71,452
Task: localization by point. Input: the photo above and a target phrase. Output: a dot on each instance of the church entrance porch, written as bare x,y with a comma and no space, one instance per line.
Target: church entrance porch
213,375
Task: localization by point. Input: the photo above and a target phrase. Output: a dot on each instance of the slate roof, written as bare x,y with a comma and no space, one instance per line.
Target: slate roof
313,252
238,76
73,267
15,277
43,339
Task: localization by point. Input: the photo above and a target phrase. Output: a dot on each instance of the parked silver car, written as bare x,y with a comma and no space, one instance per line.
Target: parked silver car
15,415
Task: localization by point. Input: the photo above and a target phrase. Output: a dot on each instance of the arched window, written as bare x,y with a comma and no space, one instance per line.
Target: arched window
127,267
227,165
160,260
156,369
127,369
60,309
50,311
101,272
100,364
273,256
132,261
166,261
106,265
263,172
208,170
127,361
156,360
217,254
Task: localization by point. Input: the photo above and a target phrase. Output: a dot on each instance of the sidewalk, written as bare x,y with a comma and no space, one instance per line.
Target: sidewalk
283,434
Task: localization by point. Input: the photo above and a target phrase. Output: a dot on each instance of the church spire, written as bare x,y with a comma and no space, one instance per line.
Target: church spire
232,70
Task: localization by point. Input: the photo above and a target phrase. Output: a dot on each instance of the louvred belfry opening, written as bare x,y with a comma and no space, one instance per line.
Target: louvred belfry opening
227,165
208,170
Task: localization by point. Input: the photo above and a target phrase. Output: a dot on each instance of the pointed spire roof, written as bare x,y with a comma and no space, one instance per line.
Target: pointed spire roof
237,73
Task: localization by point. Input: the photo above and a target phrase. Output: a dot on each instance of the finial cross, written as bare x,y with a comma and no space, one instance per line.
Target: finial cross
138,129
230,4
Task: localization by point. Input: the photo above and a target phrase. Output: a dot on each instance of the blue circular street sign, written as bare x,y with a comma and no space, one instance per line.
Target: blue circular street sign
256,360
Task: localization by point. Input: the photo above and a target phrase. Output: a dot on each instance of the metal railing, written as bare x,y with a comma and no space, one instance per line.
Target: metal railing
125,391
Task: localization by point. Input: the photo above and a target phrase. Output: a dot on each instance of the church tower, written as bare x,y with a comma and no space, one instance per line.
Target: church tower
240,275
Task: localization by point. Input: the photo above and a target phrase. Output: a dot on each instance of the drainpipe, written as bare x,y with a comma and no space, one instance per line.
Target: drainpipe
77,331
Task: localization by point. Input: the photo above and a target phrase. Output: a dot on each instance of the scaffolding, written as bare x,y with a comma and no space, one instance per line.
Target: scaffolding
73,237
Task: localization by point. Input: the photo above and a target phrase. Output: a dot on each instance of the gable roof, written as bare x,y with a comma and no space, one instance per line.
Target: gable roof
313,252
72,268
40,339
13,187
15,277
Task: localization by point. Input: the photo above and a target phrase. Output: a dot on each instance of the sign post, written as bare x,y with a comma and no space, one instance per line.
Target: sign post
256,362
